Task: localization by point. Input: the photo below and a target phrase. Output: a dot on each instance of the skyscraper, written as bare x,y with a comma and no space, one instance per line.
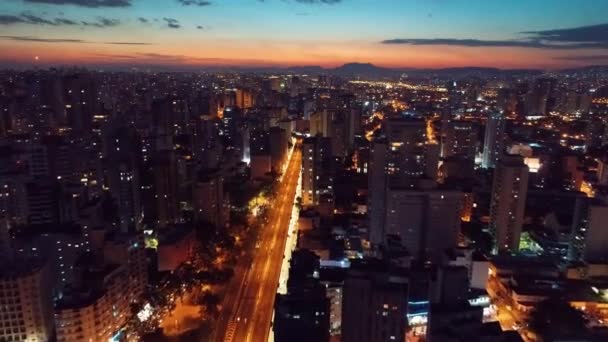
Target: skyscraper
321,123
377,184
165,186
208,198
508,203
407,137
460,140
244,99
418,217
374,306
123,163
590,239
316,169
302,315
278,145
493,144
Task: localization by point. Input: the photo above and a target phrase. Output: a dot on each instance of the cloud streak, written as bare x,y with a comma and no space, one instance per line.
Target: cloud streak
102,22
172,23
33,19
325,2
42,40
127,43
584,37
85,3
539,44
200,3
64,40
314,2
588,34
583,58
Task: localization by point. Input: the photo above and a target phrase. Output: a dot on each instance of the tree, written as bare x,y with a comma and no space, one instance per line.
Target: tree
554,317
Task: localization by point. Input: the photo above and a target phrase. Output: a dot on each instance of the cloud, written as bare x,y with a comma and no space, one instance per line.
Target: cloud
584,37
127,43
10,19
200,3
585,58
115,56
36,20
65,40
201,27
326,2
42,40
62,21
33,19
172,23
587,34
102,22
160,55
85,3
461,42
314,2
142,20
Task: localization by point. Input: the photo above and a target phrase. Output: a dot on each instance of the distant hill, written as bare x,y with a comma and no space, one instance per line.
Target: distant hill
349,69
590,68
364,69
369,70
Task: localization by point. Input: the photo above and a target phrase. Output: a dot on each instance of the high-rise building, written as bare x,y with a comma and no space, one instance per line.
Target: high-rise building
353,126
589,240
95,313
493,144
407,137
26,297
406,158
123,157
508,203
244,98
539,99
460,140
316,169
163,121
14,201
506,100
6,120
43,202
80,95
377,184
321,123
595,134
165,187
536,103
208,198
205,141
374,305
278,148
416,217
302,315
51,157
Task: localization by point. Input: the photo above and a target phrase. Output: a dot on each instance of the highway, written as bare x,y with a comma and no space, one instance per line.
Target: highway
247,315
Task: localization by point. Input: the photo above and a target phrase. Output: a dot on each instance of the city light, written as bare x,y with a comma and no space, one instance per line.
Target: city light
286,171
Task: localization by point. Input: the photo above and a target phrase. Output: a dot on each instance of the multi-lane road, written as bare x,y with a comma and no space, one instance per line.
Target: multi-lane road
248,308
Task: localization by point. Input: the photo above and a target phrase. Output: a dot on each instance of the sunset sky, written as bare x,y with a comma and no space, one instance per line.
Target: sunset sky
391,33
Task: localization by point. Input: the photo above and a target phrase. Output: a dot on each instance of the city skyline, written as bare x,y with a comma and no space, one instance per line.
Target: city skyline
303,170
284,33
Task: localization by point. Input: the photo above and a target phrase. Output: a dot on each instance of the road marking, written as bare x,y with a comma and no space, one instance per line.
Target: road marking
230,330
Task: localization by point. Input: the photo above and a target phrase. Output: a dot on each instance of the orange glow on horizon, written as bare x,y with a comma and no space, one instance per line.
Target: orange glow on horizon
273,53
